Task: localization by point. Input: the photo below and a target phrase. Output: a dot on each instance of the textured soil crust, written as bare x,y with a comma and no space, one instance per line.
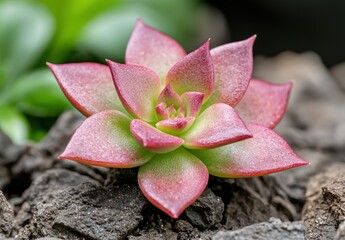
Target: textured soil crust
42,197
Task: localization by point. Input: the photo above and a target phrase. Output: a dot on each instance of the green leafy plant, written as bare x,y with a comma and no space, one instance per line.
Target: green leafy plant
25,31
179,117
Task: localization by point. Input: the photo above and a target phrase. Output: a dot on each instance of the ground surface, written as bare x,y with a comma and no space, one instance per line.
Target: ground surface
42,197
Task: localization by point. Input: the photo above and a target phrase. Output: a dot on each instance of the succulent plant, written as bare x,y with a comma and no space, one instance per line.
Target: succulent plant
179,117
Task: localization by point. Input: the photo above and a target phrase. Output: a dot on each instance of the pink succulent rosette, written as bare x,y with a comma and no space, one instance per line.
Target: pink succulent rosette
179,117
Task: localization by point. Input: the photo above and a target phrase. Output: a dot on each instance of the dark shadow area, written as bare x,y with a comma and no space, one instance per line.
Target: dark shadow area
289,25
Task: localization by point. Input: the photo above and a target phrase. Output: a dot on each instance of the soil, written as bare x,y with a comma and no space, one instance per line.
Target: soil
42,197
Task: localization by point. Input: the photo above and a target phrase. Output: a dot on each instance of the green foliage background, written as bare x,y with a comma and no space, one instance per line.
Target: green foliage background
33,32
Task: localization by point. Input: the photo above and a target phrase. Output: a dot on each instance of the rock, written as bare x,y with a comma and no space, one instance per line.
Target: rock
306,70
155,235
186,231
55,142
4,177
340,235
255,200
294,181
313,116
5,238
48,238
60,133
206,211
322,123
98,213
9,153
155,225
97,173
43,156
117,176
183,226
68,205
52,181
274,229
325,199
46,184
159,226
6,216
338,72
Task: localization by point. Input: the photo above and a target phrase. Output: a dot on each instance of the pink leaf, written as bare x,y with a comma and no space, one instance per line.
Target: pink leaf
175,126
264,103
161,111
153,49
192,102
104,139
170,97
265,153
193,73
233,64
216,126
173,181
138,88
153,139
88,86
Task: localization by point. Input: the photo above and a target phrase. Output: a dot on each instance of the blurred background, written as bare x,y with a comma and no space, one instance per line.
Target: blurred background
299,26
33,32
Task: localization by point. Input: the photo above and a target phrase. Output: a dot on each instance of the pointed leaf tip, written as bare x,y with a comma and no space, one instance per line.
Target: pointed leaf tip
138,88
266,152
153,139
193,73
88,86
264,103
153,49
170,97
173,181
233,65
